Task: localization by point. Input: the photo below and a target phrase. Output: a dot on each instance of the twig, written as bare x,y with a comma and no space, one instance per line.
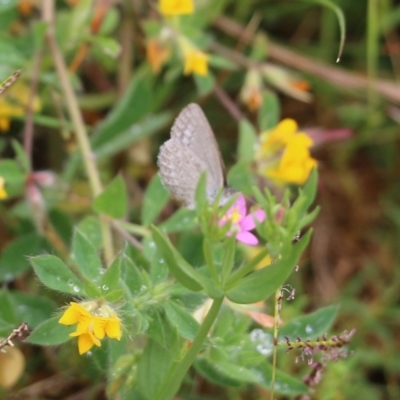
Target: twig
228,103
131,239
28,127
335,76
9,81
21,332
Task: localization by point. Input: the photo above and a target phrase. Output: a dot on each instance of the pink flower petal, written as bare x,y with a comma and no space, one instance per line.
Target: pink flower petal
247,238
248,223
240,205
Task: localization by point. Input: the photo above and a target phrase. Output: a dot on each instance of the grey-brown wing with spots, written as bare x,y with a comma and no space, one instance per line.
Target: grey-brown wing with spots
180,171
192,130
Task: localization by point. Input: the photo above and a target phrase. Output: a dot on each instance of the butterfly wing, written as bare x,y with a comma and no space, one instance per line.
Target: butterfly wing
192,129
180,170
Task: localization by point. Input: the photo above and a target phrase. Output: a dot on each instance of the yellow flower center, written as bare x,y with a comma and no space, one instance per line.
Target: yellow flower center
235,217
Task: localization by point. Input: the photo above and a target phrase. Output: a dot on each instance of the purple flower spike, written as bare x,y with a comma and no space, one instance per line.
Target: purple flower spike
241,223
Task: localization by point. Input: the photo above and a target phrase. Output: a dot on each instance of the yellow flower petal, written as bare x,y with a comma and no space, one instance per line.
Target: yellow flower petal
91,328
283,132
14,104
5,124
196,62
3,193
99,327
176,7
71,315
292,168
113,328
85,343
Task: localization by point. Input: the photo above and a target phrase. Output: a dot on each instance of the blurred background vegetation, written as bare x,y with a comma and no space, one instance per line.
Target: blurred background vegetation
350,108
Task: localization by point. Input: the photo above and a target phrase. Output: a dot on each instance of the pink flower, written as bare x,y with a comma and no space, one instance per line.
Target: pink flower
241,223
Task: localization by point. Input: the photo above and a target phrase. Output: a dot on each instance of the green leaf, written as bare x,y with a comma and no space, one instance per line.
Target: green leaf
310,326
221,62
56,275
240,178
146,127
201,195
268,114
13,258
5,328
310,191
158,267
132,107
182,220
261,284
155,198
178,267
39,29
114,199
91,289
7,5
284,383
12,172
107,45
21,156
186,325
29,308
224,373
63,223
153,364
204,84
114,295
7,311
247,141
51,333
131,276
90,227
85,257
110,279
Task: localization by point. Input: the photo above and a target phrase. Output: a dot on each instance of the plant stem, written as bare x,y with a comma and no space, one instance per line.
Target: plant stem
179,369
79,126
276,325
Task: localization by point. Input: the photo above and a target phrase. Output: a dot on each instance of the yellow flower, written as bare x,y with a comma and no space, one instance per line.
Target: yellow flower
295,163
3,193
278,137
93,321
196,62
14,103
176,7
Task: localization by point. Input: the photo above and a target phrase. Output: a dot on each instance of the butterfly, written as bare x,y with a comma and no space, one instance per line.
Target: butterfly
191,150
